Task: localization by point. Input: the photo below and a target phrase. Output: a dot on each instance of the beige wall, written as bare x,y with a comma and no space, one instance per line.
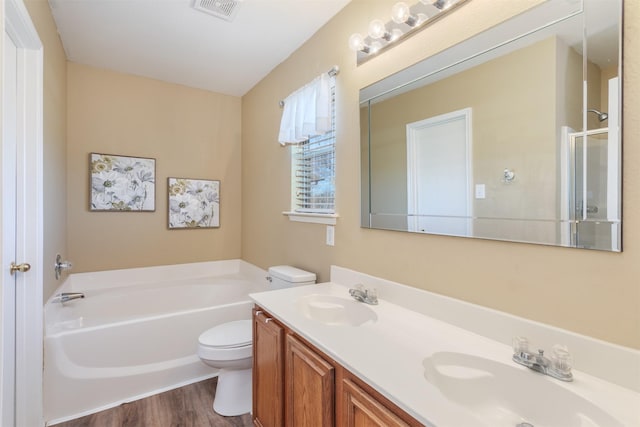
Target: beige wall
54,141
593,293
191,133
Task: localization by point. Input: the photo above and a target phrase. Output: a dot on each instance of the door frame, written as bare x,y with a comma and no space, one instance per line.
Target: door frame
29,209
412,140
8,235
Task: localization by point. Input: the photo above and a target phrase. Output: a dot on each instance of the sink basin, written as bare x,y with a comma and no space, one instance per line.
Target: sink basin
498,394
335,310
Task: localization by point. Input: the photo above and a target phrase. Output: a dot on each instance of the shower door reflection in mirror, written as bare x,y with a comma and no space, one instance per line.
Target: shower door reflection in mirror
511,135
595,197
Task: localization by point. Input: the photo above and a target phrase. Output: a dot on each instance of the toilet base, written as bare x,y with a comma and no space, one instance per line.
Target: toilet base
233,392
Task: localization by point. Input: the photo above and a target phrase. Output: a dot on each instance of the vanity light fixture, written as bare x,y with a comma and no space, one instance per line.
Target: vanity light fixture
405,21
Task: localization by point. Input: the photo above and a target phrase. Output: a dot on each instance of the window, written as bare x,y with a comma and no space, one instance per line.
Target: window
313,172
313,175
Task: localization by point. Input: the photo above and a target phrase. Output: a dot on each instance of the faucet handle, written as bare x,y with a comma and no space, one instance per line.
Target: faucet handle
520,345
371,296
561,359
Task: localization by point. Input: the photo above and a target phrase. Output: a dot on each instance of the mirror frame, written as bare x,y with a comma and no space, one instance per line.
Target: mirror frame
538,22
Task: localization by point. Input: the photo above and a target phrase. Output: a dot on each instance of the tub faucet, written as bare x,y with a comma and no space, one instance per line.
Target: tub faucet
68,296
367,296
559,366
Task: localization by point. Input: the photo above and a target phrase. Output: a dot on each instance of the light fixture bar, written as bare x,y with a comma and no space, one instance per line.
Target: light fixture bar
405,22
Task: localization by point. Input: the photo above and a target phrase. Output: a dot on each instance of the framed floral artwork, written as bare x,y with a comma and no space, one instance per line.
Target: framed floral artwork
194,203
122,183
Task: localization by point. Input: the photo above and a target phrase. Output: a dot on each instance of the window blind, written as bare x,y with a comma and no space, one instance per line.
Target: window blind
313,170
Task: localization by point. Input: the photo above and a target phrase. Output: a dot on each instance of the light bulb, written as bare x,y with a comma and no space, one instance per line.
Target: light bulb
400,14
356,43
377,29
395,34
443,4
422,17
375,46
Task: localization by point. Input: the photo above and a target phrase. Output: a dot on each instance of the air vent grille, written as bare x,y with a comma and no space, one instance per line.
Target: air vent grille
224,9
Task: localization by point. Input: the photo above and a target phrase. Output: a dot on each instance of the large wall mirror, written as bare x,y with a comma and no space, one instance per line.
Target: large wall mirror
511,135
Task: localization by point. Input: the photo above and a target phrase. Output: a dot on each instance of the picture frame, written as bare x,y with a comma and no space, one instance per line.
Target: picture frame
121,183
193,203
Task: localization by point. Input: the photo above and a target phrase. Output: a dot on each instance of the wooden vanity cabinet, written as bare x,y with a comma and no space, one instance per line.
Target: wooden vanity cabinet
296,385
268,371
309,386
293,385
360,405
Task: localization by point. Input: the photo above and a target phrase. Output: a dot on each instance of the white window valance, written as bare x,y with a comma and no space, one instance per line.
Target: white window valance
307,112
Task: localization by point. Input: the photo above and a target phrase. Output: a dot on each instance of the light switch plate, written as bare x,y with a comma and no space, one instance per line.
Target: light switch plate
331,233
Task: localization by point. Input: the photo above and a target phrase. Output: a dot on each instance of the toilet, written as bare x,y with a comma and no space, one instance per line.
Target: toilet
229,347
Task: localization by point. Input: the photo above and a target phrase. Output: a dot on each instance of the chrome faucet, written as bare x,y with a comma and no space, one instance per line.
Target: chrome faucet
559,366
367,296
67,296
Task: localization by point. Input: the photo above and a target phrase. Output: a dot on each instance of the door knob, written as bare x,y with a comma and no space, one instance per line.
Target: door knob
22,268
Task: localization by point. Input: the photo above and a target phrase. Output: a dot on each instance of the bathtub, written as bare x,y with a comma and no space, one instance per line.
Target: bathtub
136,332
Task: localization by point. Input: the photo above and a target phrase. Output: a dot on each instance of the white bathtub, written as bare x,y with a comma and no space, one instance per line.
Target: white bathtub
136,332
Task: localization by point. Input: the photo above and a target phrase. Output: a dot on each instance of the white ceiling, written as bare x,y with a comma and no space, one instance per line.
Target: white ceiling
168,40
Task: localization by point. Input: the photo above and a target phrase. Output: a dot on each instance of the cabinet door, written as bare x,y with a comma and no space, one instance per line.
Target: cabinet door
309,387
268,371
361,409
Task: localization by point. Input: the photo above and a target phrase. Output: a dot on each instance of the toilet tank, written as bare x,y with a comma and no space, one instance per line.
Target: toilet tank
286,276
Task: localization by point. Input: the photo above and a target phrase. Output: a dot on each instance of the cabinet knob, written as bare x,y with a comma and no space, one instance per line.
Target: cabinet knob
268,319
258,313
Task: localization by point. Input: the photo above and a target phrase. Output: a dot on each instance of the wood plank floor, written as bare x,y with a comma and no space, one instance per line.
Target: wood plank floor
189,406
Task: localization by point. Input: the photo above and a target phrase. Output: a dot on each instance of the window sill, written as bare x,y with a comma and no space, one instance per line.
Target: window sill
316,218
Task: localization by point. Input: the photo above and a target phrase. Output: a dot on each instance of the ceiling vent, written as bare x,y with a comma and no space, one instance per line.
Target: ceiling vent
223,9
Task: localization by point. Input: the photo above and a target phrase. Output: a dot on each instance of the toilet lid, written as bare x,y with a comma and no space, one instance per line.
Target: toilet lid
228,335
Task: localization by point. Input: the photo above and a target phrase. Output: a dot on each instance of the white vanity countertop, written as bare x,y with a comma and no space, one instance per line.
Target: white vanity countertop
391,352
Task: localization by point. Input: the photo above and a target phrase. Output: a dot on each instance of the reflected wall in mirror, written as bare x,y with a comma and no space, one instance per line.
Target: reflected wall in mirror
511,135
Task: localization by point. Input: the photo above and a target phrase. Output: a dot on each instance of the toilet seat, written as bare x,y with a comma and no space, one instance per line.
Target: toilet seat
237,333
229,341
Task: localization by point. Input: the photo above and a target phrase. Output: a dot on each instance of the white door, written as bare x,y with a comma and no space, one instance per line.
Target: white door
21,220
439,177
